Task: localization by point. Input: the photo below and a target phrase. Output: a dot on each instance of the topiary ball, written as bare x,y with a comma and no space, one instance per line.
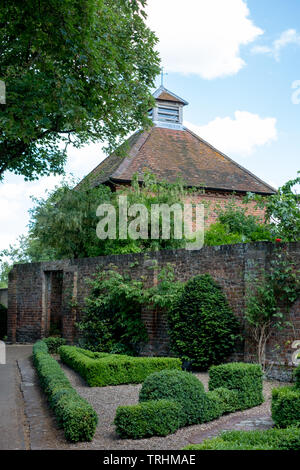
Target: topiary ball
179,386
202,327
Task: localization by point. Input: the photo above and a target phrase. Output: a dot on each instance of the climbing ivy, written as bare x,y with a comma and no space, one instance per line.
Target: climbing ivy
112,317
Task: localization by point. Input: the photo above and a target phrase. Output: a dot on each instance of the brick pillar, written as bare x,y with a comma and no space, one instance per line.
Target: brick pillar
12,306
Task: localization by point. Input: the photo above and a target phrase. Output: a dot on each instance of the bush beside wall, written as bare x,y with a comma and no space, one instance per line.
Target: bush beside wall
100,369
74,414
54,343
202,327
245,379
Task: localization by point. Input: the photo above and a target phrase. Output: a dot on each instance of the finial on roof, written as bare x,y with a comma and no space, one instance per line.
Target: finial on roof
162,74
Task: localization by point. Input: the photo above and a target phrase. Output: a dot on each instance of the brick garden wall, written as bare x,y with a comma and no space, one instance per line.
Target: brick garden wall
229,265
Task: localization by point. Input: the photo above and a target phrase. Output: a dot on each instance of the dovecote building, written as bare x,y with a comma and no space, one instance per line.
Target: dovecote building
171,151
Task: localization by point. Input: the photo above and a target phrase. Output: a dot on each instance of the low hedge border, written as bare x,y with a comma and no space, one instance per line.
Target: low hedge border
270,439
73,413
196,406
102,369
147,419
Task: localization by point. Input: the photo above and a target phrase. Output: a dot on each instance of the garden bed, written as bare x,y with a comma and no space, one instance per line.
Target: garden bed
105,401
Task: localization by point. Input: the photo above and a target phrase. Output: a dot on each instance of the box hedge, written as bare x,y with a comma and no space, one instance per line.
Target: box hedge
100,369
182,387
74,414
286,406
53,343
228,399
270,439
245,379
194,406
147,419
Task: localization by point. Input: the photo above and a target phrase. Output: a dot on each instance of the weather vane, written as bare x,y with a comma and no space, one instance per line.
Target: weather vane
162,75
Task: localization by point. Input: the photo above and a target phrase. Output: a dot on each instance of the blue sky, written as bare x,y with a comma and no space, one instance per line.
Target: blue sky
235,62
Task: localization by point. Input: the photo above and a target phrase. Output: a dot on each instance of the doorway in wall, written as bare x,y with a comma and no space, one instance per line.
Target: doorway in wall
53,303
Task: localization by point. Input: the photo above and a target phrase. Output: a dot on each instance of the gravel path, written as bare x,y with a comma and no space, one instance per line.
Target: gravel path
105,400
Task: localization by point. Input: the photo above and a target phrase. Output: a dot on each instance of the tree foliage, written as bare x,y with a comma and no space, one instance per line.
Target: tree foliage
75,71
64,223
282,211
236,225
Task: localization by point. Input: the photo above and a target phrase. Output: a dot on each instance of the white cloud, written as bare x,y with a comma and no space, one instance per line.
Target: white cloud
261,50
290,36
202,37
15,202
83,160
239,136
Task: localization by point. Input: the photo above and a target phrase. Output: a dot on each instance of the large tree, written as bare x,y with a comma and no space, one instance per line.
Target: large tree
77,70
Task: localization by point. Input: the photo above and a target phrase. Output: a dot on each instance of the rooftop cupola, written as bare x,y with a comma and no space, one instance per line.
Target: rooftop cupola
168,110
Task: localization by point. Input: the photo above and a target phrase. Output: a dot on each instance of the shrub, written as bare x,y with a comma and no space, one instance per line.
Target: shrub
203,329
54,343
73,413
228,399
246,379
212,408
182,387
271,439
151,418
286,406
297,377
218,234
100,369
112,317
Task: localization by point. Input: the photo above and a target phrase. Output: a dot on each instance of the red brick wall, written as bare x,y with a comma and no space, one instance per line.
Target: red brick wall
230,266
212,200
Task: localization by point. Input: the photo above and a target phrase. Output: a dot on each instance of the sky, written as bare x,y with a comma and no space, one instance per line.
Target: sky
237,64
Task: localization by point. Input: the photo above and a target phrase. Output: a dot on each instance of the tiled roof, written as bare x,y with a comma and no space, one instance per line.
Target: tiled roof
170,154
167,97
